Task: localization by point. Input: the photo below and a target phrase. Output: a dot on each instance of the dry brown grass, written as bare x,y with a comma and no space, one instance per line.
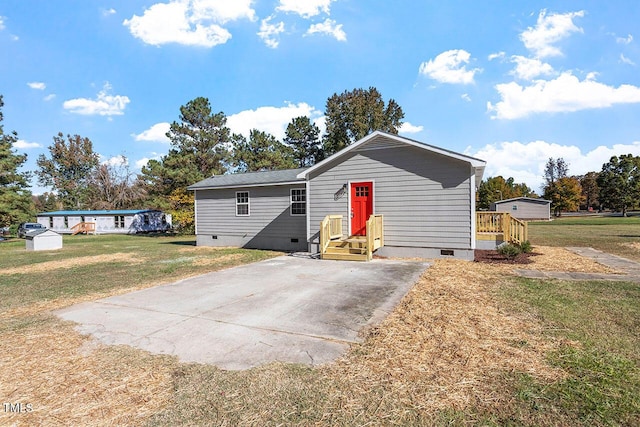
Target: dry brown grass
447,346
49,367
74,262
443,347
548,258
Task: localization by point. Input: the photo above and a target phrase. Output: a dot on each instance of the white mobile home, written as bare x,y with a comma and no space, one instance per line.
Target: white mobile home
419,198
107,221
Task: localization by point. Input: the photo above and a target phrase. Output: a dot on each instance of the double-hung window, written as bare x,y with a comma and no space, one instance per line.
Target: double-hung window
242,203
119,220
298,201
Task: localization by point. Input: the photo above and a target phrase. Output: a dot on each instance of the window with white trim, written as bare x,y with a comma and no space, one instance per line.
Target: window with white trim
119,220
242,203
298,201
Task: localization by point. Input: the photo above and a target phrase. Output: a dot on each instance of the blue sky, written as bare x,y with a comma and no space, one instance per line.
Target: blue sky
510,82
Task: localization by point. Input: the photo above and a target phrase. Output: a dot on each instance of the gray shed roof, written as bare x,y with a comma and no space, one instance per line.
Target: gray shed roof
524,199
249,179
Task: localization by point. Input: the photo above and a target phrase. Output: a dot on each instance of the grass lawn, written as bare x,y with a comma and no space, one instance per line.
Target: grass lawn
470,344
616,235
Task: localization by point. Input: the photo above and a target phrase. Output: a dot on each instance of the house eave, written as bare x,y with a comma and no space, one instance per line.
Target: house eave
262,184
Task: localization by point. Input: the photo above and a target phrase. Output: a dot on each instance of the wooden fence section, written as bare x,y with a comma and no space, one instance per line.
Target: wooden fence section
512,229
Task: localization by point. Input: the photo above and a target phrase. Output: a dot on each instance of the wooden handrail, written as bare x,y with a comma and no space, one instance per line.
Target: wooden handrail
375,234
330,228
512,229
84,227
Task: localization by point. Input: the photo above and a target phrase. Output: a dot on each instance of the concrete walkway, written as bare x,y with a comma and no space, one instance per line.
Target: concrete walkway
289,309
630,269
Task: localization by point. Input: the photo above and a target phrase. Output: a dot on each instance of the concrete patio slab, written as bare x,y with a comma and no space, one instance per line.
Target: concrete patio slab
290,309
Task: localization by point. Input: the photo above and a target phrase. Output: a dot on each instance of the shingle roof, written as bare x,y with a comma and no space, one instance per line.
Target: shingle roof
99,212
524,199
249,179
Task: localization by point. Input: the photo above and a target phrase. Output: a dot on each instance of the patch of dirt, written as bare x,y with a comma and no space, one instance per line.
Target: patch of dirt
546,258
73,262
493,257
217,260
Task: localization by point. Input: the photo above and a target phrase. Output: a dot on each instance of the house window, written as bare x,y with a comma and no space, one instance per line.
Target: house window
119,221
514,207
242,203
362,191
146,219
50,222
66,222
298,201
164,219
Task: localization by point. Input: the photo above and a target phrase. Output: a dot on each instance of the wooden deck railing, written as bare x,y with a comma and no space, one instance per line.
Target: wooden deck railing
375,234
330,228
84,227
512,229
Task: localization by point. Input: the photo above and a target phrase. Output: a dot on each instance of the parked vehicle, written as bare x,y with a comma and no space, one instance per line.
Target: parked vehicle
25,227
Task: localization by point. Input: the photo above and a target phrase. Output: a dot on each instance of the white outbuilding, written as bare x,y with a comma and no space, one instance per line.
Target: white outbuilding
43,240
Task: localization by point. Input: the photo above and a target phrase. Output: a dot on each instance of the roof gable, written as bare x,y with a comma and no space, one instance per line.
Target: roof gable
477,164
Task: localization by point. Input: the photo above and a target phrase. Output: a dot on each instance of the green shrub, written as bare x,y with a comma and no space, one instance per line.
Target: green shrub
509,250
526,247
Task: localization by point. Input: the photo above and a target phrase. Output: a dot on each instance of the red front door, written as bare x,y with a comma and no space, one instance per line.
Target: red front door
361,207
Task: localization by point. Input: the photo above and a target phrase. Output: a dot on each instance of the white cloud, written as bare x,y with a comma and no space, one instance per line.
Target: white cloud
49,97
549,30
497,55
528,68
37,85
449,67
108,12
24,145
407,127
2,26
305,8
329,27
525,161
143,161
269,32
104,104
156,133
564,94
116,161
273,120
189,22
466,97
626,60
624,40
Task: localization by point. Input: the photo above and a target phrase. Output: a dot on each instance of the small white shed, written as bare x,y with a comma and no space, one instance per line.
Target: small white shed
43,240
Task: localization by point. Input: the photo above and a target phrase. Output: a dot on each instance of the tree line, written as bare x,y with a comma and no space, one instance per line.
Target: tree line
615,187
202,145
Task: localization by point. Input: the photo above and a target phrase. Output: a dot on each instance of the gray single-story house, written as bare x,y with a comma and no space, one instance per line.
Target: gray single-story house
524,208
425,194
129,221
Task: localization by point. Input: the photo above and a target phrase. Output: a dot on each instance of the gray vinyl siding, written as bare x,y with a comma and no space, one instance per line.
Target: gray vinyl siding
425,197
269,225
526,210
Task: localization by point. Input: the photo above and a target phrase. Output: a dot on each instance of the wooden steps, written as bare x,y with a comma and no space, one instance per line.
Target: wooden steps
351,249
